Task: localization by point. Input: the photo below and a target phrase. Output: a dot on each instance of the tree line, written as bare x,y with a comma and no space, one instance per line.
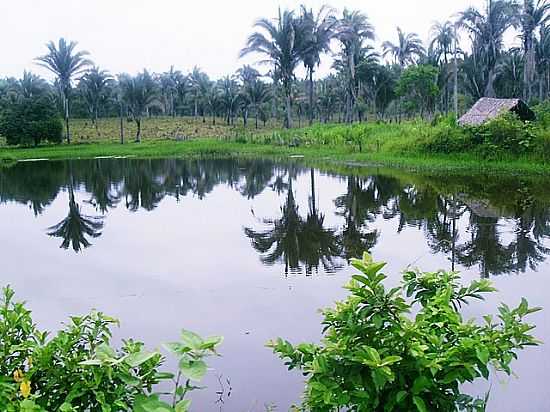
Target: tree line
405,78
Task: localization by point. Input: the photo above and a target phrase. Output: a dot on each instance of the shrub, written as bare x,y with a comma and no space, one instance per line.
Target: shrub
78,370
542,111
506,133
29,121
375,357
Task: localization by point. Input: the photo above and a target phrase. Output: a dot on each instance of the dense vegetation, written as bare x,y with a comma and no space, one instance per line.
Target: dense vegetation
406,79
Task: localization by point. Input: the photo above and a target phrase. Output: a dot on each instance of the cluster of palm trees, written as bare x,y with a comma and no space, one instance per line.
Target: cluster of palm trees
469,54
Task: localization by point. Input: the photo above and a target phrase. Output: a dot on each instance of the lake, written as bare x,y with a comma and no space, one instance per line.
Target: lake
251,249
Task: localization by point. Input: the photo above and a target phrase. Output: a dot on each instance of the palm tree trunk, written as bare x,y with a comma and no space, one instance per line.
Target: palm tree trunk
310,96
121,126
66,101
288,105
138,133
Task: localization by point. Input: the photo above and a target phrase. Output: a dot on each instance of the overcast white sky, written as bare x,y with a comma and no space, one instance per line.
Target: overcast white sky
129,35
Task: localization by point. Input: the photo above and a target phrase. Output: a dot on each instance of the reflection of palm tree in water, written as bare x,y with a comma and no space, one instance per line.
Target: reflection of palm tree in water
75,228
281,240
357,207
320,245
297,242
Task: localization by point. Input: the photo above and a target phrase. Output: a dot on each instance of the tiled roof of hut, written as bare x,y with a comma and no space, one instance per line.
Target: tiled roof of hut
488,108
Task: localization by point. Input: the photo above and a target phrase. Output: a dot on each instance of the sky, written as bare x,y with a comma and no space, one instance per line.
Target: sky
130,35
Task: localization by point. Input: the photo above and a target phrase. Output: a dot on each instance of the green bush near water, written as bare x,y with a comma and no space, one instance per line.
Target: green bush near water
78,370
375,356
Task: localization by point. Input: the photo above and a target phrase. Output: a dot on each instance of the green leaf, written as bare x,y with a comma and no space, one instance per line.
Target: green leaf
420,384
136,359
211,342
482,354
373,354
150,404
183,405
191,339
420,405
390,360
105,353
400,397
193,369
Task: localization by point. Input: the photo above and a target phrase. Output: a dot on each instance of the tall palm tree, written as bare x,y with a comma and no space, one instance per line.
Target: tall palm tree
443,40
352,31
533,16
139,93
168,88
65,62
319,29
280,41
407,50
96,87
486,30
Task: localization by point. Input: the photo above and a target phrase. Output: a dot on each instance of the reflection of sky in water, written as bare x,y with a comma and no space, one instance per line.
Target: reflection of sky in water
188,263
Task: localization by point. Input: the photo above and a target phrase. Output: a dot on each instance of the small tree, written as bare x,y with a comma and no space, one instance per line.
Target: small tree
418,87
30,120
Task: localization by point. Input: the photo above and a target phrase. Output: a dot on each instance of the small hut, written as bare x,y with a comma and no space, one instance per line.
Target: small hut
488,108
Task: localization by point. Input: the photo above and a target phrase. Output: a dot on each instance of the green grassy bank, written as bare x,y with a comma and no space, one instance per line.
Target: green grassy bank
211,147
505,146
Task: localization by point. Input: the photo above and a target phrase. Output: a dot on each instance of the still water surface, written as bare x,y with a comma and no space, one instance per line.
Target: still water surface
251,249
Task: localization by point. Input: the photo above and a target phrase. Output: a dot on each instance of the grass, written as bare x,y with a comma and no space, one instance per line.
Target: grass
386,145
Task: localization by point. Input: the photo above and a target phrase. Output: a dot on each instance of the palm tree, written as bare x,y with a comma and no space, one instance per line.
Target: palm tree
280,41
213,101
257,93
352,31
65,63
168,89
247,74
230,97
487,30
319,30
139,93
200,84
95,86
31,85
443,40
183,88
407,49
533,16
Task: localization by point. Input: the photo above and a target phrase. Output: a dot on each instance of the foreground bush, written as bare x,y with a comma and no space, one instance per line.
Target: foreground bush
78,370
376,357
30,121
